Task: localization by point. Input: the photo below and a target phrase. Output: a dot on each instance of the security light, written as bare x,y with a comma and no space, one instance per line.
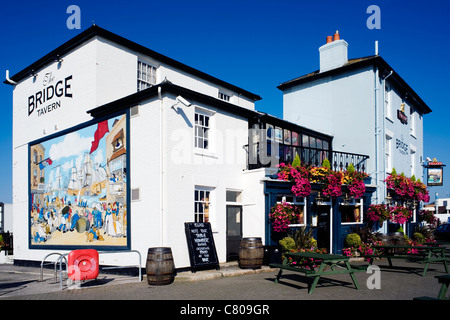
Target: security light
184,101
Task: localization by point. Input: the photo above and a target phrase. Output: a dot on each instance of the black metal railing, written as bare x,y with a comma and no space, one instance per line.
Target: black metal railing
271,154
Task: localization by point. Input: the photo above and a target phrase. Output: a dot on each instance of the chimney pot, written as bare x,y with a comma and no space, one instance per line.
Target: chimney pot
336,36
333,54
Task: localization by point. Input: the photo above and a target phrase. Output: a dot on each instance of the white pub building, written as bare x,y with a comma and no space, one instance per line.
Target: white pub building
116,147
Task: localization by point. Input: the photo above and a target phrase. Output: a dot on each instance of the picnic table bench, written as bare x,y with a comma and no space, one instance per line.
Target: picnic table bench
422,254
317,265
444,280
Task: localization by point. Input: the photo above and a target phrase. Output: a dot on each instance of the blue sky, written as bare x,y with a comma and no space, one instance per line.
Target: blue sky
255,45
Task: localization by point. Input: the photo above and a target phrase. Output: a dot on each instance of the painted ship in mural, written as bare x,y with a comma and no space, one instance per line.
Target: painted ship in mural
84,199
89,181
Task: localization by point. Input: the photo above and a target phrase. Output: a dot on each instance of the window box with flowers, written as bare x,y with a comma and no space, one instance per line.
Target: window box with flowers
331,182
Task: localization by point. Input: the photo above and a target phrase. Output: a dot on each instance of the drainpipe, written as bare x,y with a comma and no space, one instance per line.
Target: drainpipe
376,133
384,129
8,79
161,166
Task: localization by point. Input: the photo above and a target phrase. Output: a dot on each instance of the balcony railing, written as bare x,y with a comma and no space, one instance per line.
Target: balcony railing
271,154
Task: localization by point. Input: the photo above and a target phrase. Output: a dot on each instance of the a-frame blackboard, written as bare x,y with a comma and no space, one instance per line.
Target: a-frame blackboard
202,250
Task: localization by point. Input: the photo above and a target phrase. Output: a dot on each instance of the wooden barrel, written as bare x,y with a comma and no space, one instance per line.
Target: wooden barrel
160,267
251,253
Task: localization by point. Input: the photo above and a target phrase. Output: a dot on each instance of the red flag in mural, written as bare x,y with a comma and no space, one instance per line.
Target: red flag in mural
102,129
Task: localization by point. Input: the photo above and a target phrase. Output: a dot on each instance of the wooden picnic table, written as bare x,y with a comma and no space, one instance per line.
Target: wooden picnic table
444,280
317,265
422,254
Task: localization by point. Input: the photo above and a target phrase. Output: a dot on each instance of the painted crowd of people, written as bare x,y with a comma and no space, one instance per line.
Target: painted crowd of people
95,222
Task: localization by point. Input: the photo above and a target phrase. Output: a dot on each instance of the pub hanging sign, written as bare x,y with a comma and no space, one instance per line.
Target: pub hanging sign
401,115
435,173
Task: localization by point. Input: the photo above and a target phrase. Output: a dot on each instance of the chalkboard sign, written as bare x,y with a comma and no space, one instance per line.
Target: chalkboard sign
202,250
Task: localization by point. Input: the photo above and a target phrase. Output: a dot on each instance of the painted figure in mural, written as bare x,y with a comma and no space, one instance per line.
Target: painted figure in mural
97,216
75,218
40,234
109,221
64,221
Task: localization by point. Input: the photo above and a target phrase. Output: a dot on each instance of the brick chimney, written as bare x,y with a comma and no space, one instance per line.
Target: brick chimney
334,53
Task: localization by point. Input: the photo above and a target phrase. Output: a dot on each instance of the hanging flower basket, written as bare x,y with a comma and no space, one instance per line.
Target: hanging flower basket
355,182
427,216
378,213
284,214
400,214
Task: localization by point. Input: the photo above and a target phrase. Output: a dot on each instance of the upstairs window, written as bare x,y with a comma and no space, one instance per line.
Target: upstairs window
202,130
387,101
224,96
146,76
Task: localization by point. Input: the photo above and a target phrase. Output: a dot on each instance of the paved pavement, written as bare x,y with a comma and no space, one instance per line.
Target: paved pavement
402,282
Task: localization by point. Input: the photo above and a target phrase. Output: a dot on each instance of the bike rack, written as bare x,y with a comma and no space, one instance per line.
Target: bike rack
63,256
55,263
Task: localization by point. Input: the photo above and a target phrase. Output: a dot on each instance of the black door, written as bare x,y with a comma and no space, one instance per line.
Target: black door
234,232
323,227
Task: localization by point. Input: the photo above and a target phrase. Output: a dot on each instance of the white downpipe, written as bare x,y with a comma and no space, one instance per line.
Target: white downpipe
161,166
8,79
376,135
384,130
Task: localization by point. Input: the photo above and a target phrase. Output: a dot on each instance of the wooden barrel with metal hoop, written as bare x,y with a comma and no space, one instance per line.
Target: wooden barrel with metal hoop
251,253
160,268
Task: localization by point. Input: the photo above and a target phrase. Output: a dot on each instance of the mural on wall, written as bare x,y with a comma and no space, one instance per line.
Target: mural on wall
78,187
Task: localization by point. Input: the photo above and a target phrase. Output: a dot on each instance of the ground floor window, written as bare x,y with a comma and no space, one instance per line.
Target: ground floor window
351,212
298,202
202,202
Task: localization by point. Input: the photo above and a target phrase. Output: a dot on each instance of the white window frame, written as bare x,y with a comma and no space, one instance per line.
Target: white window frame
146,75
388,155
296,201
354,203
224,96
204,203
412,117
200,149
388,101
413,151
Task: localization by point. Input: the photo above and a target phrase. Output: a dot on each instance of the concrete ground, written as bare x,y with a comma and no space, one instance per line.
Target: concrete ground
402,282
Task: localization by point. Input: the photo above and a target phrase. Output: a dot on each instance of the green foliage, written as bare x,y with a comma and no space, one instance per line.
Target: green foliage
287,244
418,237
352,240
425,231
303,239
296,162
350,168
326,163
394,172
413,178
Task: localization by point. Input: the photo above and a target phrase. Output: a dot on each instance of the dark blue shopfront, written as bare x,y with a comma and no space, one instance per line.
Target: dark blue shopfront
331,219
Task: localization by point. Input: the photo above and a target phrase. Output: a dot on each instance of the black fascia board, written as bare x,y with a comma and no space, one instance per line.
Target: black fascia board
167,87
135,98
375,61
97,31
